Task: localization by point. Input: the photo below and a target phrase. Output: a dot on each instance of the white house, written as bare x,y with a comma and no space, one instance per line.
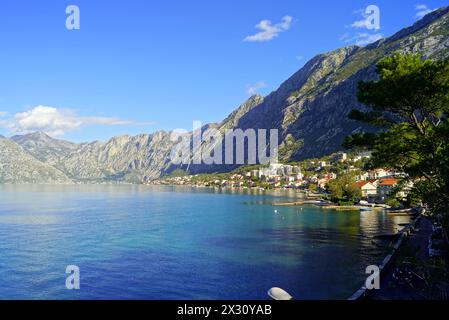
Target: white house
367,188
378,173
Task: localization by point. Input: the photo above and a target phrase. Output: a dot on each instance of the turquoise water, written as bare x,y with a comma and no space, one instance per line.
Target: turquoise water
141,242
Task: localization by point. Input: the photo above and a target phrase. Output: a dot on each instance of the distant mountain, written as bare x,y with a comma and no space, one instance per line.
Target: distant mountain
310,110
18,166
44,147
125,158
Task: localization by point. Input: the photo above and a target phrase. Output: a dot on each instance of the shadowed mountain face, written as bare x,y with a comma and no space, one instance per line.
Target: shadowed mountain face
309,109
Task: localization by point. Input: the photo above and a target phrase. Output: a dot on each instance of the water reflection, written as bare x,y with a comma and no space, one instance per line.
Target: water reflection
146,242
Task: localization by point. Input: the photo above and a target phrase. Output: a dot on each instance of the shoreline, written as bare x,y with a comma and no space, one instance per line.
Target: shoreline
313,199
385,266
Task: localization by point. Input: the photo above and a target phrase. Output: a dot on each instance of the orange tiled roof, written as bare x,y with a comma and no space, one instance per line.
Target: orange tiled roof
361,184
388,182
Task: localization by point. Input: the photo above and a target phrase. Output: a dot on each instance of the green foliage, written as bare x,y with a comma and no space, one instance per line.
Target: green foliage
313,187
408,85
396,148
245,169
374,118
413,198
178,173
344,189
363,165
414,92
393,202
345,203
359,140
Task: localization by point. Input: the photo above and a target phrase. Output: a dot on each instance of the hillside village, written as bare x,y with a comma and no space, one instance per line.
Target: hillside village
311,176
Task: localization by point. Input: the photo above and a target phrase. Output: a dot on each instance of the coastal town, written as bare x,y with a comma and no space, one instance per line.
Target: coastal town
313,177
348,182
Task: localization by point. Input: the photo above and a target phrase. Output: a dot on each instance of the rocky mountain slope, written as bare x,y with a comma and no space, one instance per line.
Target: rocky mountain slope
44,147
310,110
312,105
18,166
124,158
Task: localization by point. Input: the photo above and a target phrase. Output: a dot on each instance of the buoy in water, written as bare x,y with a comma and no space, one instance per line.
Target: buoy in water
279,294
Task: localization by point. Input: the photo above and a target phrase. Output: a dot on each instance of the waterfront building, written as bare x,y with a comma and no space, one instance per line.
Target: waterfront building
367,188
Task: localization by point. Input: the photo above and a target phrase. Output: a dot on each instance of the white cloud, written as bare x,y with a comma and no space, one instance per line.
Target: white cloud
370,21
56,122
422,10
269,31
254,89
3,113
362,39
359,24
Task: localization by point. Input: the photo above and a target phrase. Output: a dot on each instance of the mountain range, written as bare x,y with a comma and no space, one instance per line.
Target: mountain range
309,109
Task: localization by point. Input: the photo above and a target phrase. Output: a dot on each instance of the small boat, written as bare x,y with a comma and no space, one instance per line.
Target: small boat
365,209
279,294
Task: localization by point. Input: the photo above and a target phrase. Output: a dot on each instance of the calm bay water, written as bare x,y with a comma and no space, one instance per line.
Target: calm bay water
141,242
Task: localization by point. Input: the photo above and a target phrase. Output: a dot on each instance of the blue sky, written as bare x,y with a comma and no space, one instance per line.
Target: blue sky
139,66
